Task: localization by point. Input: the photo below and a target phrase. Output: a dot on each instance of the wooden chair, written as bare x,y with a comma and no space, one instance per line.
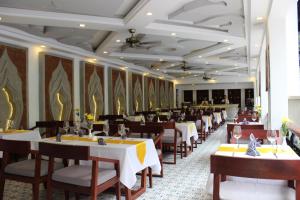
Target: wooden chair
33,171
51,127
243,126
156,133
80,179
222,166
172,138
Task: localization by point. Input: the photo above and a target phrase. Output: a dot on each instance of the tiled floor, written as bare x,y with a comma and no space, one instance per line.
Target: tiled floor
184,181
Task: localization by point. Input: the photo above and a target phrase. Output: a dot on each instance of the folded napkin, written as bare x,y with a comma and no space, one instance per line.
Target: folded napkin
252,151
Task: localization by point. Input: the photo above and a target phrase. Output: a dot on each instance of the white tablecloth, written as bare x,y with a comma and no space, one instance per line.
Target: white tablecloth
218,117
24,136
207,121
188,130
224,114
268,155
136,118
125,153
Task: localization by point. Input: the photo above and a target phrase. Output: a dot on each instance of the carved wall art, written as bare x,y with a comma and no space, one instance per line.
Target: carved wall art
13,87
93,89
137,93
151,94
119,91
56,88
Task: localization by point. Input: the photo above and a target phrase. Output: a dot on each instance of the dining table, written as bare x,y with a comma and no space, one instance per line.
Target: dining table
207,122
134,154
218,118
188,130
24,135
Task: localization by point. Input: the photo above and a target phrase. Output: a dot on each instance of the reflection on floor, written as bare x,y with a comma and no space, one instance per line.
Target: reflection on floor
184,181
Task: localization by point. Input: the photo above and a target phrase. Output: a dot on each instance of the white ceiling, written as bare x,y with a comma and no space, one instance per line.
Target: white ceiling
211,36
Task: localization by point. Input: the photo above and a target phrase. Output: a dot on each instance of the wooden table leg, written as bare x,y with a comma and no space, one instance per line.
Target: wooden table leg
134,194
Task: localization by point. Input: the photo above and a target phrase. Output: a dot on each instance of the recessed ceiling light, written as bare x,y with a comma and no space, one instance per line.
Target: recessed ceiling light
206,62
259,18
195,75
126,67
199,56
95,59
173,34
0,18
145,74
82,25
157,69
172,65
161,59
43,46
118,41
229,48
121,57
225,40
216,71
149,13
105,52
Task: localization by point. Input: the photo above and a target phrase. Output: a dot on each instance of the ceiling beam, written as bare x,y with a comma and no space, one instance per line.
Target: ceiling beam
43,18
153,57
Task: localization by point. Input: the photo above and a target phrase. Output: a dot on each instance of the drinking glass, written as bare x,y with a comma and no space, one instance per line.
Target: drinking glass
76,127
271,136
237,134
106,128
66,126
121,131
254,117
168,117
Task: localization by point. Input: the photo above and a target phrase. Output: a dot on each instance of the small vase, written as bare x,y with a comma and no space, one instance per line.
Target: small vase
90,133
284,144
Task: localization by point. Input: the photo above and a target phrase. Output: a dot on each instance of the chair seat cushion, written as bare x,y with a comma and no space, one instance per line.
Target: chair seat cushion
170,139
27,168
250,188
81,175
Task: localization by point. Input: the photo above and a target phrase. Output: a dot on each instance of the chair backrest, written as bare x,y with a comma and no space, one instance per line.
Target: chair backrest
110,117
243,126
221,166
15,147
258,133
64,151
50,126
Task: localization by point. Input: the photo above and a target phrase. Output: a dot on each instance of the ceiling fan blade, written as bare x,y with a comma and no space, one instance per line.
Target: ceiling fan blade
150,42
140,36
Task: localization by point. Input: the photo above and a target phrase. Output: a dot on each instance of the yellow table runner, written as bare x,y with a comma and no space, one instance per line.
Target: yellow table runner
140,145
261,150
13,131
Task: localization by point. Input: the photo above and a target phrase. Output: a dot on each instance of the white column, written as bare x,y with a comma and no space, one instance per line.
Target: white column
209,95
106,108
292,47
33,85
194,96
127,93
279,42
242,98
76,78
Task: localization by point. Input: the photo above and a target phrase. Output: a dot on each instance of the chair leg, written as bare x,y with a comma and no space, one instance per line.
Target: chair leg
175,153
49,190
35,191
181,150
77,196
67,195
94,196
162,169
118,190
150,177
2,184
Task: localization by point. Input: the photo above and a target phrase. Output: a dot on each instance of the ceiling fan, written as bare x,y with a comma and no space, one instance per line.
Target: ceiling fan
206,77
134,41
